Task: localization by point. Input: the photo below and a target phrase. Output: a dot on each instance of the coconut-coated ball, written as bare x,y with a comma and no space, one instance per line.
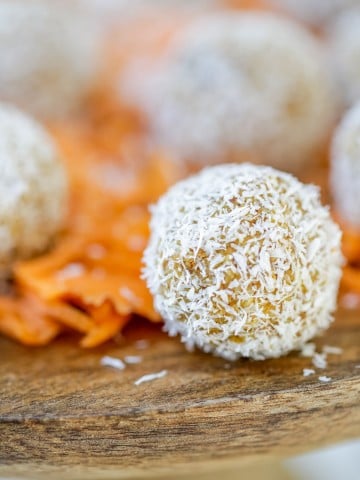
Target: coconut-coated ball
344,52
243,261
33,188
315,12
241,82
345,168
48,56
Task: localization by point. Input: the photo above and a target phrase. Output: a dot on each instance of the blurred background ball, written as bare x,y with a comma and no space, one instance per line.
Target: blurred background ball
33,188
48,56
315,12
345,168
239,83
122,10
344,52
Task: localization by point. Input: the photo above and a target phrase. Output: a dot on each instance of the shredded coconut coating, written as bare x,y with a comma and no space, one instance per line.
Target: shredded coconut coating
235,83
345,167
243,261
33,188
48,56
315,12
344,51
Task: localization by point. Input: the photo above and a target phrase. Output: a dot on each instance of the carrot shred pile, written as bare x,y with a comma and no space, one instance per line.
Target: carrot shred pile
351,250
90,281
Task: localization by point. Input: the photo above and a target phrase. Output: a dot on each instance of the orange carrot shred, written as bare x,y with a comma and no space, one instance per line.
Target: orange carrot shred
106,330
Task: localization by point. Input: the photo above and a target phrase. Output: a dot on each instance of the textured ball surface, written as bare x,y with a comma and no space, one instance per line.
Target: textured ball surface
344,50
47,56
33,188
241,83
316,12
345,167
243,261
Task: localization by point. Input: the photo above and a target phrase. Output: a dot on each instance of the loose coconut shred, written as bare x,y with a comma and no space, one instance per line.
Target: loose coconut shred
243,261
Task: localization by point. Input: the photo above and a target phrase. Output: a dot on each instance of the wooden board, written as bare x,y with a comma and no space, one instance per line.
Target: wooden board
61,410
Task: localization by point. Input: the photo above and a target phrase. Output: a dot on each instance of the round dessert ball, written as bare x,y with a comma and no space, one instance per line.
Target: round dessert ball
240,83
315,12
243,261
344,50
345,168
33,188
47,56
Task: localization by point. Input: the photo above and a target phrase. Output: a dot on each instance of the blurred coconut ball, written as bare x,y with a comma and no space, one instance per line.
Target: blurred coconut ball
48,56
315,12
235,83
345,168
243,261
33,188
123,10
344,52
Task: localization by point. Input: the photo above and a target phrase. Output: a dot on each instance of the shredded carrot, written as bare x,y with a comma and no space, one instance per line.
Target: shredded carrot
26,325
351,279
351,249
107,325
351,245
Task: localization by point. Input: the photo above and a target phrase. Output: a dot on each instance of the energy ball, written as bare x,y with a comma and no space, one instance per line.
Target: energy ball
47,56
243,261
240,84
345,168
33,188
315,12
344,50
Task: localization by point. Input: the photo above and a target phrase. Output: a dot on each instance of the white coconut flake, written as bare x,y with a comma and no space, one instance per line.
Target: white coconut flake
129,295
150,377
96,251
319,360
204,224
330,350
72,270
308,350
350,301
132,359
137,243
308,371
325,379
112,362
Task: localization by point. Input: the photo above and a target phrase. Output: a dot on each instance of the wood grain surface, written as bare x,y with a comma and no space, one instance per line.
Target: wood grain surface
60,410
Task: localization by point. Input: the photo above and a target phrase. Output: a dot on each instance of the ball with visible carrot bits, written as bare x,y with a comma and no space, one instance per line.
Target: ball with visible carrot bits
48,56
33,188
243,261
238,84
